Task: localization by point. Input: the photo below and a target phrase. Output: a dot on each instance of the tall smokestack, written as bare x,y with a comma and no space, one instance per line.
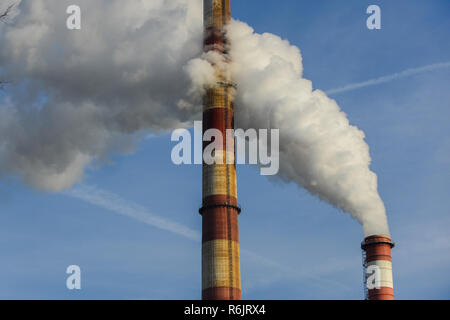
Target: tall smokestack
378,263
221,278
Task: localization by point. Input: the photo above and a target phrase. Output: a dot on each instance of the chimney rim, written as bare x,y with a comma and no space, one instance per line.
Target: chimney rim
375,240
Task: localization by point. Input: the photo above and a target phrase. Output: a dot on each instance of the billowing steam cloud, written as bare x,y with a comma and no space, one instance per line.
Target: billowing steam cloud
319,149
77,96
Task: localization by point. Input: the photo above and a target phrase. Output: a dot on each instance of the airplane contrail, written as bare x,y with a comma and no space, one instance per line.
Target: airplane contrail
112,202
389,78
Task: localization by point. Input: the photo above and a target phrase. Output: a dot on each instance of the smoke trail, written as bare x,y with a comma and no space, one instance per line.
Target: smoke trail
319,149
389,78
134,67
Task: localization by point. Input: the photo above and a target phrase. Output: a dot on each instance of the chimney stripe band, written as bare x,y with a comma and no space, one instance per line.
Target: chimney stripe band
220,223
385,267
216,265
215,180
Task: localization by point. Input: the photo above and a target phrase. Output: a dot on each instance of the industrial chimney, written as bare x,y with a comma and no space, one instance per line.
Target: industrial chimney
221,278
378,263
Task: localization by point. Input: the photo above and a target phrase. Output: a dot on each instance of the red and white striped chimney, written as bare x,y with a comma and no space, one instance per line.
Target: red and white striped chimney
221,276
379,283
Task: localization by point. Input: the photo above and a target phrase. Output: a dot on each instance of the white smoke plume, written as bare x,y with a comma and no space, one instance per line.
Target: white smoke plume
77,96
319,149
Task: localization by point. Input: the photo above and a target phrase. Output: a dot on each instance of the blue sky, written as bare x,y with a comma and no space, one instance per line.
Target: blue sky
294,246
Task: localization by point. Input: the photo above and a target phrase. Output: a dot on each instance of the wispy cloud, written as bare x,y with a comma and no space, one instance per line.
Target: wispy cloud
389,78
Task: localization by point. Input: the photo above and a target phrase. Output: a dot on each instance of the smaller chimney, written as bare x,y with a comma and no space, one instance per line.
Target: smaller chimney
377,261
